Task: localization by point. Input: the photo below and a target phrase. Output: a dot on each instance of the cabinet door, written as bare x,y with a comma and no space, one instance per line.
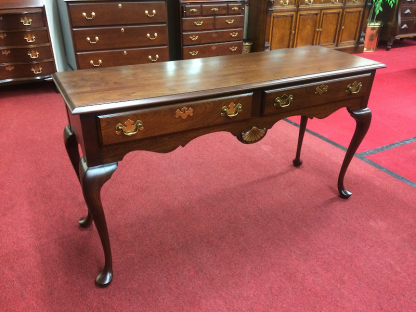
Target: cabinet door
306,28
350,26
282,29
328,29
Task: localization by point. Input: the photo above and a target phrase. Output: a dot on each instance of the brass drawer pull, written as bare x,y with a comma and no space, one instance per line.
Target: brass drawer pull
29,38
193,37
307,2
282,3
26,21
33,54
334,1
88,18
129,128
407,12
232,110
233,49
155,36
234,8
284,101
150,15
193,53
155,59
184,112
321,89
9,68
199,23
99,63
230,21
5,52
234,34
2,35
404,26
92,42
193,10
319,29
37,71
354,88
214,9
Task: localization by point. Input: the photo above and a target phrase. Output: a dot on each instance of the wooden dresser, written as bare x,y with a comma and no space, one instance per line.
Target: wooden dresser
399,21
109,33
278,24
26,51
211,28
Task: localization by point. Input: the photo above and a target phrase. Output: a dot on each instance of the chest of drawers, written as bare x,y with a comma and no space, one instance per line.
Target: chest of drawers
25,48
109,33
211,28
399,21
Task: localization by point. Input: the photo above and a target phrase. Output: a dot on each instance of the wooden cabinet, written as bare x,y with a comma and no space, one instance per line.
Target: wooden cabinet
295,23
211,28
113,33
399,21
25,47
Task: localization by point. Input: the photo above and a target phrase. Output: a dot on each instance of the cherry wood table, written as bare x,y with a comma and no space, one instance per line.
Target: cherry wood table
159,107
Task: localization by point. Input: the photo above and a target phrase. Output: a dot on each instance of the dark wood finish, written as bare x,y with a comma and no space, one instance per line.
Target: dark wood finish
25,48
302,128
335,24
105,27
211,22
155,102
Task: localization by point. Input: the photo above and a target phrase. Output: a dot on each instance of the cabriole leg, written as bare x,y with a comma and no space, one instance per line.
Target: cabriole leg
303,121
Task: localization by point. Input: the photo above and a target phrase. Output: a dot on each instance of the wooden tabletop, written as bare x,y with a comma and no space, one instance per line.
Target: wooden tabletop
138,86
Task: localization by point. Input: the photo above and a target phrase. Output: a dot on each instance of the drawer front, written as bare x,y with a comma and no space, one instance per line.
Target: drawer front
198,23
174,118
192,10
208,50
25,54
290,99
224,22
23,38
408,12
21,21
122,13
26,70
204,37
407,27
90,39
237,8
122,57
214,9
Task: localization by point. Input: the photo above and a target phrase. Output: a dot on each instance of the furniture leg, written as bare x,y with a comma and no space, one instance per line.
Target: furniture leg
363,119
303,121
71,146
92,179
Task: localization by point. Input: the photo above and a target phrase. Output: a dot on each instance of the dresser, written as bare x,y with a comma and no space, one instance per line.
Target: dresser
278,24
25,46
398,22
211,28
113,33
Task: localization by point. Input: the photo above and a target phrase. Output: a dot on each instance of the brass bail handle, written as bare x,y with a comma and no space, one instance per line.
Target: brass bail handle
354,88
232,110
283,101
129,128
88,18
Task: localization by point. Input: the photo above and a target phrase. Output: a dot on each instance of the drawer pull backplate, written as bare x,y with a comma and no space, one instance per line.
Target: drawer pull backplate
129,128
232,110
26,21
283,101
354,88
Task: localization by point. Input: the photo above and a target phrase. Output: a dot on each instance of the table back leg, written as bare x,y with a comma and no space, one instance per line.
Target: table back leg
303,121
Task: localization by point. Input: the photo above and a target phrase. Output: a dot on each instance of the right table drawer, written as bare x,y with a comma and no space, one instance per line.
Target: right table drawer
322,92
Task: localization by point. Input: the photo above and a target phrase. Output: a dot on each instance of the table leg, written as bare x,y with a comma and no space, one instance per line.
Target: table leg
71,146
363,119
92,179
303,121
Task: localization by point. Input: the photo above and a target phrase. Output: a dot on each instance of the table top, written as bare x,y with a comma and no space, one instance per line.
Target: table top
148,85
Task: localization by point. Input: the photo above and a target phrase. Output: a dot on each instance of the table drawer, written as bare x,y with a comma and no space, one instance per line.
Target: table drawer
145,123
21,21
198,23
224,22
26,70
204,37
408,12
294,98
90,39
23,38
110,13
26,54
407,27
213,50
122,57
214,9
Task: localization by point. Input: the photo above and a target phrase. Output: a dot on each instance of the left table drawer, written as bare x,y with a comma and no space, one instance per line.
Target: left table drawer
136,125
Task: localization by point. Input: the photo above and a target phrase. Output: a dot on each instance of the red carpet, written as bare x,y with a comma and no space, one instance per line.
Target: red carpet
214,226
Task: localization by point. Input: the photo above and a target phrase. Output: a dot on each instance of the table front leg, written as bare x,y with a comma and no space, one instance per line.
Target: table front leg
363,119
92,179
303,121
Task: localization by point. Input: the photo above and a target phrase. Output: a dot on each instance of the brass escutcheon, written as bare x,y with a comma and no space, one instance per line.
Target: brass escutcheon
155,59
29,38
199,23
150,15
354,88
5,52
26,21
9,68
193,37
234,34
37,71
321,89
184,112
284,101
33,54
193,53
152,38
92,42
129,128
88,18
233,49
99,63
232,110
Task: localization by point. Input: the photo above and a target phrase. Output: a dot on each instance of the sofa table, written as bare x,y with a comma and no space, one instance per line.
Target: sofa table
159,107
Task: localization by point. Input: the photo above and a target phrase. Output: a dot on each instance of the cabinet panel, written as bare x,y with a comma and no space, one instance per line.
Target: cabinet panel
350,26
328,29
282,30
306,29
